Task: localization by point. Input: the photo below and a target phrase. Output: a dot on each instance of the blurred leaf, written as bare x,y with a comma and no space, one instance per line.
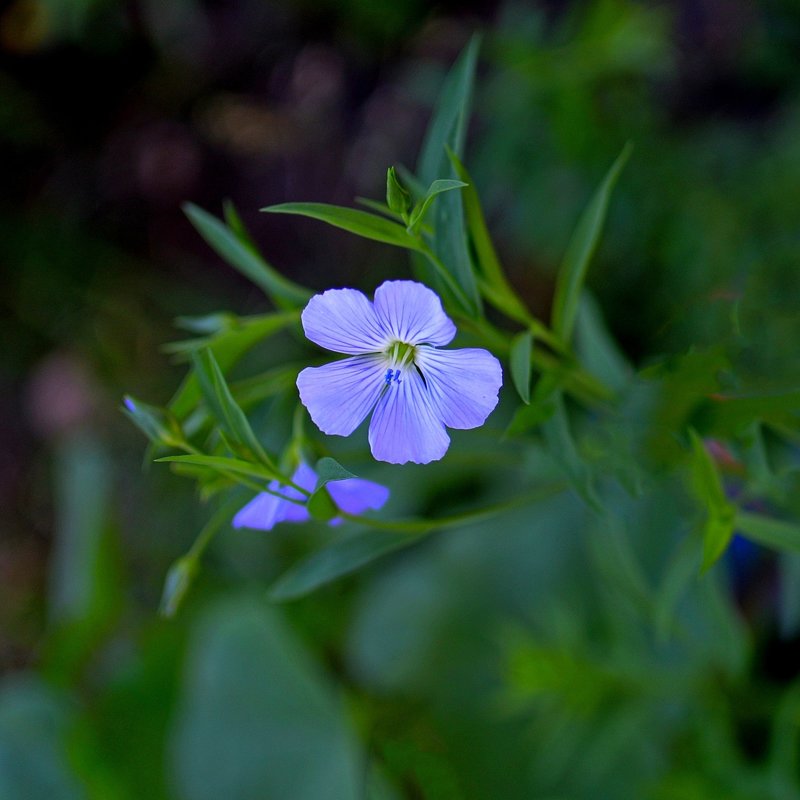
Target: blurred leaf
680,570
720,514
730,415
349,554
358,222
86,588
336,560
530,416
207,324
596,348
220,402
157,424
224,466
572,273
438,187
285,734
228,347
236,224
176,585
520,362
562,447
33,762
245,259
447,129
789,605
773,533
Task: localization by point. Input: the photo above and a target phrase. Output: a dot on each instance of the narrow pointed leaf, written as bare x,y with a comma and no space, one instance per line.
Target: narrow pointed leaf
776,533
227,466
436,188
245,259
572,273
493,285
337,560
220,402
718,526
520,362
370,226
228,347
447,129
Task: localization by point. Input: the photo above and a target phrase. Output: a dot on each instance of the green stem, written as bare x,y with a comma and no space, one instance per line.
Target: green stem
421,526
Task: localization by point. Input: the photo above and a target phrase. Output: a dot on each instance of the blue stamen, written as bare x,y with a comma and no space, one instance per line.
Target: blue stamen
392,375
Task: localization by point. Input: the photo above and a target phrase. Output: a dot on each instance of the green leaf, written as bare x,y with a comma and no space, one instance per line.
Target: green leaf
35,721
370,226
436,188
338,559
347,555
158,424
220,402
596,349
398,199
227,466
720,519
530,416
494,286
320,505
562,447
520,362
245,259
228,347
176,585
447,129
286,735
775,533
448,126
572,273
328,469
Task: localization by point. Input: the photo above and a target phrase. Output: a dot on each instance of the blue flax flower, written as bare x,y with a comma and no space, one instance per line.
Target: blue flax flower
264,511
397,369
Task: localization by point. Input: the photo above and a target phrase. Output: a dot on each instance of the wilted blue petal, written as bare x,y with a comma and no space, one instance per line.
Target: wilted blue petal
463,384
343,320
413,313
406,426
339,395
356,495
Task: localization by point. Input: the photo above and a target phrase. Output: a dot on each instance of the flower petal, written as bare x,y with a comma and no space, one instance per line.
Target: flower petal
464,384
413,313
266,510
339,395
261,513
406,425
305,478
355,495
343,320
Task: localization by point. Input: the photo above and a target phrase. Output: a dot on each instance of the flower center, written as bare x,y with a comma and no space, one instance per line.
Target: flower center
399,355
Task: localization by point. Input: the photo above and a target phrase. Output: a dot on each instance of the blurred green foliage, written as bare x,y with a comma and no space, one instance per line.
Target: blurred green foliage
551,652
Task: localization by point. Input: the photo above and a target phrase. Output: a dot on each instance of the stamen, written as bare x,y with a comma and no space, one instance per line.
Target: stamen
392,375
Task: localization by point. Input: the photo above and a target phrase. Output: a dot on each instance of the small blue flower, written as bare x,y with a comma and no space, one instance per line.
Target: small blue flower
353,496
397,369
